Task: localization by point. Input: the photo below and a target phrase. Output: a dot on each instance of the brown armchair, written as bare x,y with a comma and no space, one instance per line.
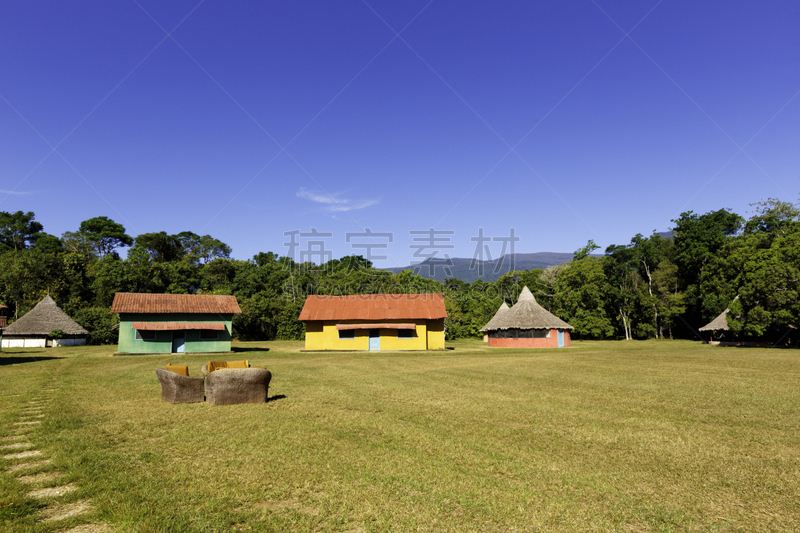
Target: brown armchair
178,387
229,386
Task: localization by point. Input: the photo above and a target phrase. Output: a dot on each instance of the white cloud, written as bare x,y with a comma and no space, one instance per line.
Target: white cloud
334,203
5,191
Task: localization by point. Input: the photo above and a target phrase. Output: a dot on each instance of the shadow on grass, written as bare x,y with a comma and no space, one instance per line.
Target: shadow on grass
276,398
242,349
17,360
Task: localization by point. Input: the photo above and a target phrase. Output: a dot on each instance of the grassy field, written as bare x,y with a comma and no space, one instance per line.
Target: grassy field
604,436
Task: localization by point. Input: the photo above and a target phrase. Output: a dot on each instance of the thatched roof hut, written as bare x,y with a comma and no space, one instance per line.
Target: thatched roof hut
496,318
528,314
34,328
718,324
527,325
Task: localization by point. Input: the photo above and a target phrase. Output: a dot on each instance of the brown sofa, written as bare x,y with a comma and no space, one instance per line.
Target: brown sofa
177,387
223,383
227,386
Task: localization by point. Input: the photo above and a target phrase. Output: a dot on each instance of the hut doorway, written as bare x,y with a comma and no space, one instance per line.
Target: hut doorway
178,341
560,338
374,340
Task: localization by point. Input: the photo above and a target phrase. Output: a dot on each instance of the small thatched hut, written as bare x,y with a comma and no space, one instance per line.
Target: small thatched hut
718,324
34,328
495,319
527,325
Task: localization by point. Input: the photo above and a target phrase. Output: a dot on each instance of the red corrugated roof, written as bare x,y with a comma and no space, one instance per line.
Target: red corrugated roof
374,307
376,325
127,302
177,326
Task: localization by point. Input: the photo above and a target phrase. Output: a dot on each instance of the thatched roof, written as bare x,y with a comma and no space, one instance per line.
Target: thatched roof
527,314
43,319
495,319
719,323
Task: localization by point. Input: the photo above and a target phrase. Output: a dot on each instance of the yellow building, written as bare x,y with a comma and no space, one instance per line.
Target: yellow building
374,322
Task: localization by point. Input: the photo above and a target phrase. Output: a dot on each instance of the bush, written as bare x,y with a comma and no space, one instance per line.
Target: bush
101,323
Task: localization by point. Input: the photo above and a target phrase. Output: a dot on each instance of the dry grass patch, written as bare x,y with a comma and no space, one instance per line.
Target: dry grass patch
56,512
52,492
29,466
42,477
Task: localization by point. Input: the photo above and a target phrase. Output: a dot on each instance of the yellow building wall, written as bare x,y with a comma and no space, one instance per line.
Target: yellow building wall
323,335
436,334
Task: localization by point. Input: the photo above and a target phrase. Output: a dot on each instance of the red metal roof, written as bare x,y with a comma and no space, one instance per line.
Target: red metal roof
377,325
374,307
177,326
127,302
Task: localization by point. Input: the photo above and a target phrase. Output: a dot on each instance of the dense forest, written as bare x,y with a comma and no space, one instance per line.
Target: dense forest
652,287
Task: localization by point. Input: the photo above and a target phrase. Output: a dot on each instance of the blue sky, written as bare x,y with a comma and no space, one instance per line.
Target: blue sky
566,121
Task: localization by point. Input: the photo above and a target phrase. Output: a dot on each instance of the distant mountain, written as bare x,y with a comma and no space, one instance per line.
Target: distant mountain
466,270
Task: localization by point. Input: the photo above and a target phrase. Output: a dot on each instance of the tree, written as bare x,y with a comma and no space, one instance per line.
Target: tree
162,247
769,289
26,276
621,268
773,216
104,235
202,249
699,238
46,243
547,285
581,297
102,325
698,242
584,252
78,243
18,230
670,299
648,253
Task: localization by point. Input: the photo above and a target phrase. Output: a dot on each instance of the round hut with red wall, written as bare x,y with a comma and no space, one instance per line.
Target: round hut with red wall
495,320
527,325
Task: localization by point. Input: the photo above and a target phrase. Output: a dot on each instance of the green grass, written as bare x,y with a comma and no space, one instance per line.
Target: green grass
604,436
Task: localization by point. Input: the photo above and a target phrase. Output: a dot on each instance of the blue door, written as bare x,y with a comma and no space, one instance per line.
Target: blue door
374,339
178,341
560,338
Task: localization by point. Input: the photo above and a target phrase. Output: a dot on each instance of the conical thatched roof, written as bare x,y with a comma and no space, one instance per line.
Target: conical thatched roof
719,323
500,312
527,314
43,319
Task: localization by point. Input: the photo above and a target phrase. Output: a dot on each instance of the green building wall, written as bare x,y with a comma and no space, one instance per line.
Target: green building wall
163,342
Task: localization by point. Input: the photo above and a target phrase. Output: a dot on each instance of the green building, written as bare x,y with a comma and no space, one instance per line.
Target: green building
174,323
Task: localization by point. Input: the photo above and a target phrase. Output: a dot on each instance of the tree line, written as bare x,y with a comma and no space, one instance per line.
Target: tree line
653,287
